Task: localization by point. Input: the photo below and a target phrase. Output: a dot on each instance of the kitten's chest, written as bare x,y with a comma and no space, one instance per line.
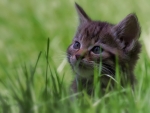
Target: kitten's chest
89,85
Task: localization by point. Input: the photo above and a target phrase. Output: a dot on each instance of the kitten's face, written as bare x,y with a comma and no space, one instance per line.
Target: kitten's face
92,45
98,43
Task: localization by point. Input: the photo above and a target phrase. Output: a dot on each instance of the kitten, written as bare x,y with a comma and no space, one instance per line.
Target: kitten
100,43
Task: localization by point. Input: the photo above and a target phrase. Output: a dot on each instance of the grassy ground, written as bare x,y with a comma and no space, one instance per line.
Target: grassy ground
37,82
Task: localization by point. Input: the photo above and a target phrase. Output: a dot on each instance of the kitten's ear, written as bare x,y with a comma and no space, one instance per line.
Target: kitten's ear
127,31
83,17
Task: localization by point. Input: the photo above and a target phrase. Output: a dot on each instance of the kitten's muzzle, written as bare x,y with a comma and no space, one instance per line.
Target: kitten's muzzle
79,57
80,54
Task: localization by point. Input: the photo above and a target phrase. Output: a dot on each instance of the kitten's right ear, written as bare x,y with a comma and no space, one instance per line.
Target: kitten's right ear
83,17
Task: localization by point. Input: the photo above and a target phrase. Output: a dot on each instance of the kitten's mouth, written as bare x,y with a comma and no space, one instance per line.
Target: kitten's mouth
83,65
80,63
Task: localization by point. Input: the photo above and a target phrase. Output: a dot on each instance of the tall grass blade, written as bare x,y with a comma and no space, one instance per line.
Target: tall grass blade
34,69
47,63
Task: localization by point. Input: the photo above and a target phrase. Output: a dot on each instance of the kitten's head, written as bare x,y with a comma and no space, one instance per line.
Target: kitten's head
99,42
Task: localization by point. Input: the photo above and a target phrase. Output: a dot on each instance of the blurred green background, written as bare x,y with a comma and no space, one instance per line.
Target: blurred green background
25,26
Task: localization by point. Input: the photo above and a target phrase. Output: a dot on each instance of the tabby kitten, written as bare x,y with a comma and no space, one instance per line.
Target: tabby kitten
99,44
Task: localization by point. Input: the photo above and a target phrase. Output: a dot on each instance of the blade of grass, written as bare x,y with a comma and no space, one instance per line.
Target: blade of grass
108,95
47,62
34,69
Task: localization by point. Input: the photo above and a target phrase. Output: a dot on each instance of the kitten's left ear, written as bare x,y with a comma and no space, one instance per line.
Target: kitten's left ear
127,31
83,17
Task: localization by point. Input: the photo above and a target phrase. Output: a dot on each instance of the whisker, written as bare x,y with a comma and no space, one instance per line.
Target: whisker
63,55
60,57
107,71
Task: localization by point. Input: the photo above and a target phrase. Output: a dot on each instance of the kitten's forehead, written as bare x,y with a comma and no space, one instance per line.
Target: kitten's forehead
93,32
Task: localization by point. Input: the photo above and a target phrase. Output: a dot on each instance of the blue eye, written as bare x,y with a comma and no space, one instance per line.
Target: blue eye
76,45
96,50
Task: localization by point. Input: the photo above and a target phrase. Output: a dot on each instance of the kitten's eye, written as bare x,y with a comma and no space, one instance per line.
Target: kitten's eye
76,45
96,50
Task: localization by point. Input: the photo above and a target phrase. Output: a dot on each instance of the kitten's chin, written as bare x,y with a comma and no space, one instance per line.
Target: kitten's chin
83,72
82,69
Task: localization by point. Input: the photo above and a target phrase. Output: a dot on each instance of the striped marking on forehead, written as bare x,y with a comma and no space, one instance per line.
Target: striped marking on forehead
92,30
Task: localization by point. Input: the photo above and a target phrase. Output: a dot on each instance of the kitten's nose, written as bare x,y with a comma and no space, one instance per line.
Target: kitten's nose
78,56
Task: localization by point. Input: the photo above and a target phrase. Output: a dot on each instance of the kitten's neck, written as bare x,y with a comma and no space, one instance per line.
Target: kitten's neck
126,76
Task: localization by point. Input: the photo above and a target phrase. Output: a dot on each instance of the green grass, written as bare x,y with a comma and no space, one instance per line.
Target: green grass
38,82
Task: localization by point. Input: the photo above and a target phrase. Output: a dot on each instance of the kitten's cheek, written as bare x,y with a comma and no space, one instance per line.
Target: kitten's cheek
105,55
72,60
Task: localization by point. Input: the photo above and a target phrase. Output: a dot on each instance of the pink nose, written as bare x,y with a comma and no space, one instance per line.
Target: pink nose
78,56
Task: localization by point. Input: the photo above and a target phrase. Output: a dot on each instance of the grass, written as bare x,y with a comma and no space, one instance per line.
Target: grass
38,82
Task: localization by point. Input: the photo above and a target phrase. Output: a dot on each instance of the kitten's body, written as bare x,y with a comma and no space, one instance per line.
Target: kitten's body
98,43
